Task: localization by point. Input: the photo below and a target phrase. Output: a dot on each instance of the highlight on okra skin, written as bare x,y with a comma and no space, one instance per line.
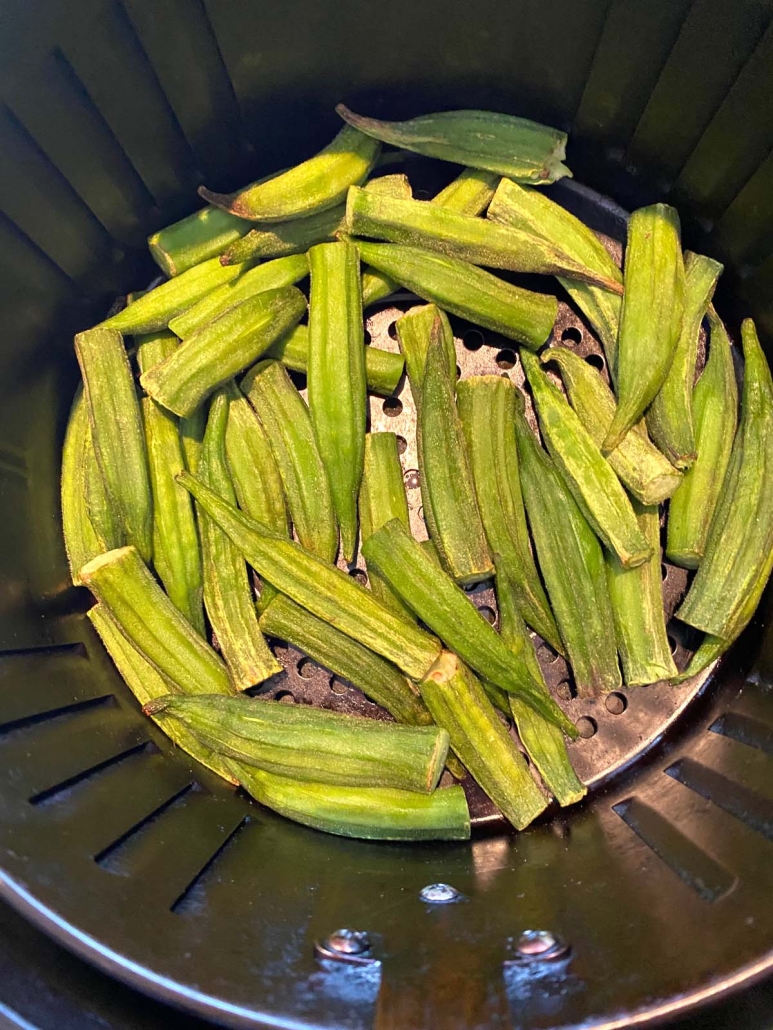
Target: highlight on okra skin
226,470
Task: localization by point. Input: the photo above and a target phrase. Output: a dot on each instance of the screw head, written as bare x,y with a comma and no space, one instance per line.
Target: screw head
540,946
439,893
349,942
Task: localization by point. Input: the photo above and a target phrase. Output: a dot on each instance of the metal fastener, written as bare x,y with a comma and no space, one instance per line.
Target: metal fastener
345,945
439,893
540,946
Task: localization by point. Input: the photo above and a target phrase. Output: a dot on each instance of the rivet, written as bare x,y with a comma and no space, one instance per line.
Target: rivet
540,946
352,946
439,893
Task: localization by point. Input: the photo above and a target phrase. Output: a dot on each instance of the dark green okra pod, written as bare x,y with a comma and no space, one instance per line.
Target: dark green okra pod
414,331
192,435
279,239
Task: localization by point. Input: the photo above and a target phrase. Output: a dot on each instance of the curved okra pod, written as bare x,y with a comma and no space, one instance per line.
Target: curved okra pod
670,416
572,565
649,476
651,315
414,331
117,432
336,378
588,474
227,590
287,422
739,549
715,410
282,238
222,348
312,186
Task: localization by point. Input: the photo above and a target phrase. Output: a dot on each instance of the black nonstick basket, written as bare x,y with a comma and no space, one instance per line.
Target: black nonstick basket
651,897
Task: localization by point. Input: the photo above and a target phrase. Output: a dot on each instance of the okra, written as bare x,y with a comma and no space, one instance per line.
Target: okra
376,678
290,433
312,186
651,315
374,285
311,743
203,235
572,565
715,411
117,432
739,549
710,649
382,497
589,475
81,540
639,465
446,610
531,211
227,591
543,741
222,348
285,271
521,149
120,580
486,407
102,512
476,240
414,331
670,416
458,703
176,551
369,813
155,309
637,604
466,291
283,238
192,435
322,589
336,378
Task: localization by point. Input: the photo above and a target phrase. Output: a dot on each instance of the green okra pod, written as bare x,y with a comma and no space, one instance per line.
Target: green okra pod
284,271
670,416
572,565
382,498
588,474
414,332
322,589
459,704
516,147
369,813
336,378
378,679
203,235
651,315
222,348
739,549
287,422
543,740
446,610
102,512
176,551
648,475
282,238
120,580
192,435
311,743
715,411
374,285
227,590
637,604
466,291
486,407
117,432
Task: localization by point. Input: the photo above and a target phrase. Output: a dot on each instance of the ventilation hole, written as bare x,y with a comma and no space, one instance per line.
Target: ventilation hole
306,669
193,896
421,514
392,407
298,379
672,644
586,727
285,697
73,709
469,588
411,478
71,781
368,339
564,690
546,654
571,335
488,613
359,576
664,570
458,372
421,195
505,359
392,330
473,339
101,856
616,703
338,686
596,361
402,445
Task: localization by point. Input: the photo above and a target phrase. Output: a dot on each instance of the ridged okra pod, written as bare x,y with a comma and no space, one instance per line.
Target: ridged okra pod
311,743
414,332
203,235
459,704
278,239
322,589
375,285
572,565
651,315
739,549
715,412
286,420
486,407
117,432
121,581
648,475
192,435
176,551
588,474
670,416
336,378
222,348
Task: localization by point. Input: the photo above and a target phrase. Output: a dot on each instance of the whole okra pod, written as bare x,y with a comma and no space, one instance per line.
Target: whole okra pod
117,432
588,474
336,378
715,411
311,743
670,416
414,332
222,348
287,422
192,436
282,238
375,285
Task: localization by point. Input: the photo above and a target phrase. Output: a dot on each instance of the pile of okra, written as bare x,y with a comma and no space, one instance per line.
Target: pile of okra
210,464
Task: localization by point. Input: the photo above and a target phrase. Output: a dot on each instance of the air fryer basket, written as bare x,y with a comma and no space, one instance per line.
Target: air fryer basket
659,886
